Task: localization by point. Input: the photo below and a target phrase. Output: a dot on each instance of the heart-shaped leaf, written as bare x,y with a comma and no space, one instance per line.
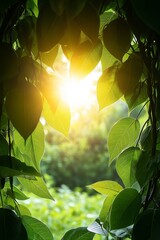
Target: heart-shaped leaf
85,59
108,91
24,106
36,229
122,135
117,37
125,208
128,75
50,29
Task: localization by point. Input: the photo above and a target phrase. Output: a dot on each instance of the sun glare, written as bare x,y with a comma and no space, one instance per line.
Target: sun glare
80,93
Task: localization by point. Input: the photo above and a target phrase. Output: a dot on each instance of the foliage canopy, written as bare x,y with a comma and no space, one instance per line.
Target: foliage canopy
125,36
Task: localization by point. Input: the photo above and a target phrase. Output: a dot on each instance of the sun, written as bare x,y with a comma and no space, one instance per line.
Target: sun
80,93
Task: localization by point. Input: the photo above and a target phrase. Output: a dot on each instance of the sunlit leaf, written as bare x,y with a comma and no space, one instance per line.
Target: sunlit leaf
104,213
24,106
106,18
31,5
50,29
60,120
15,193
38,187
31,150
107,90
128,75
117,37
36,229
126,165
16,229
122,135
85,59
49,86
125,208
106,187
10,166
78,234
49,57
147,225
107,59
23,210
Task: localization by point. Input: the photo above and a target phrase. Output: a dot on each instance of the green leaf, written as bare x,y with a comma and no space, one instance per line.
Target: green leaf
10,166
8,60
104,213
107,90
23,210
107,60
33,148
117,37
38,187
50,28
147,225
128,75
122,135
3,146
80,233
31,5
85,59
49,86
106,187
11,226
125,208
15,193
71,36
89,22
148,12
144,168
48,58
138,96
126,165
60,120
24,106
145,139
36,229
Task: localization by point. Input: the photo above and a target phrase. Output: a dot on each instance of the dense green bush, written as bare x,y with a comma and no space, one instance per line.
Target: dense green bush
69,210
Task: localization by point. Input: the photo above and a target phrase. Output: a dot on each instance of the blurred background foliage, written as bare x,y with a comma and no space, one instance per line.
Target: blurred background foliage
71,209
82,158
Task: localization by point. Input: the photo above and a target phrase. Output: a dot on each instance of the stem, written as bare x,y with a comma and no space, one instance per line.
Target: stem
9,153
